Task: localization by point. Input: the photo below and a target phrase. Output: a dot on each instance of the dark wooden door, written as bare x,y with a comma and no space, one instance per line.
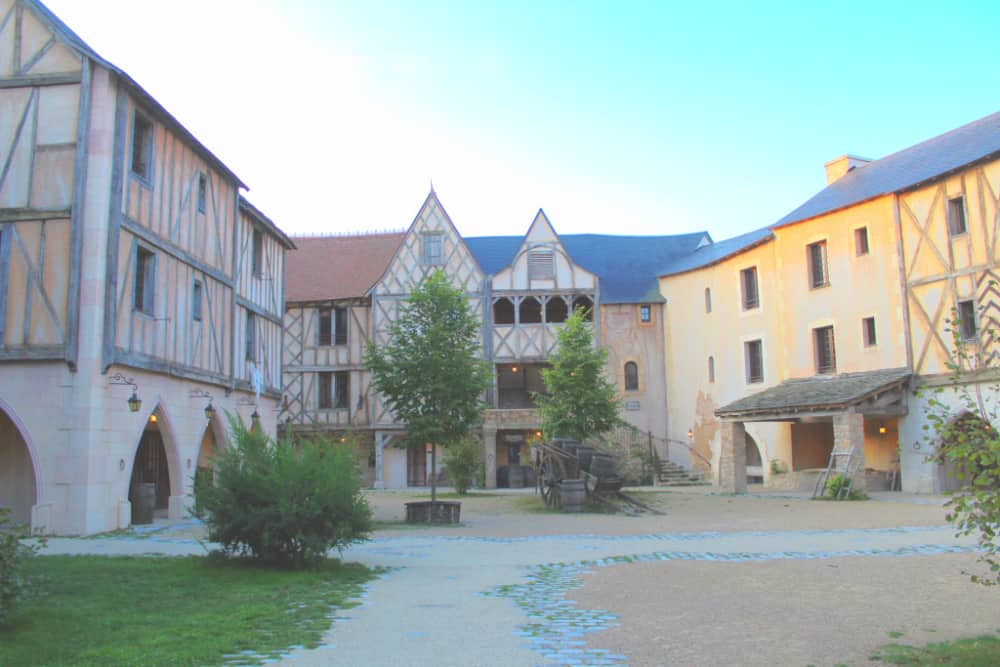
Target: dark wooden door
151,466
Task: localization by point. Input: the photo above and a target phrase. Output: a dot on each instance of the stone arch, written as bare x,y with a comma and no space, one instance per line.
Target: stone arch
754,460
169,482
213,442
18,491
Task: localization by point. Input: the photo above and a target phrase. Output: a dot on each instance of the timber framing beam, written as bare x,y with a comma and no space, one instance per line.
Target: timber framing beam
40,80
174,251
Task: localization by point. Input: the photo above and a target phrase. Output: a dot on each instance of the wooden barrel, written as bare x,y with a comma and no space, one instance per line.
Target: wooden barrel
602,465
572,495
143,503
515,477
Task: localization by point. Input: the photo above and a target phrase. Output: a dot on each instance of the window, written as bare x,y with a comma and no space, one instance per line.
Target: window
818,274
754,358
748,284
826,356
324,385
711,369
556,310
708,300
585,304
861,241
196,301
631,376
332,329
645,313
541,265
145,280
258,252
202,192
956,216
142,146
868,332
340,326
967,328
325,327
530,311
431,249
333,390
251,337
503,311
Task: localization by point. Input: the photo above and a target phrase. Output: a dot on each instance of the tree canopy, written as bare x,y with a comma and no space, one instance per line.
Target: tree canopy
580,401
429,372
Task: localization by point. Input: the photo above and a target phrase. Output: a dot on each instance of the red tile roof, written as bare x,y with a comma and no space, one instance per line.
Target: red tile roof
337,267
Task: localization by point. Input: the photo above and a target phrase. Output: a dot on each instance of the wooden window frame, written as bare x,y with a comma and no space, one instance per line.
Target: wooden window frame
340,326
708,300
818,265
324,327
869,333
144,281
862,246
749,288
645,314
250,337
825,350
428,241
257,251
631,376
968,327
341,390
753,350
202,191
324,390
956,218
196,300
141,150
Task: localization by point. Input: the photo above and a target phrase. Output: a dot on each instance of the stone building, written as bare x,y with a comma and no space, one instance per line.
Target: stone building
138,287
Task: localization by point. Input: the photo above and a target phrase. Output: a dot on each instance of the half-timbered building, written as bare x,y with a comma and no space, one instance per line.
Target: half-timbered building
521,287
137,288
816,333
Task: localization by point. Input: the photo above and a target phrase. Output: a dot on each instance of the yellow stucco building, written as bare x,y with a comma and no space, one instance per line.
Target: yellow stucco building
815,335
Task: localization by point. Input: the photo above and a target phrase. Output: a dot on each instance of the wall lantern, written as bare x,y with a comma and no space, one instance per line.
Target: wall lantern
690,433
152,418
881,429
254,420
134,402
513,369
209,409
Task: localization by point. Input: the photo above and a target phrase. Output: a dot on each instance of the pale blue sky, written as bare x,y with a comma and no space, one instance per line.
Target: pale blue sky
616,117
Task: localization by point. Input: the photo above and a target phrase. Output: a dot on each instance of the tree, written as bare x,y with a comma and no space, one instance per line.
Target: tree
966,439
287,502
429,372
580,402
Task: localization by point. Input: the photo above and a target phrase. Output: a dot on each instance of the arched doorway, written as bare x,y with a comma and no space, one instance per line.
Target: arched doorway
211,445
755,465
150,467
18,492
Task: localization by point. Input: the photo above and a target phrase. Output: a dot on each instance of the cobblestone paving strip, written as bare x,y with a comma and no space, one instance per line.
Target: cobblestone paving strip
556,627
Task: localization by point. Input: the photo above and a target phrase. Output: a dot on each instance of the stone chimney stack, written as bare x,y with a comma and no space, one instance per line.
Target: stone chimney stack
838,168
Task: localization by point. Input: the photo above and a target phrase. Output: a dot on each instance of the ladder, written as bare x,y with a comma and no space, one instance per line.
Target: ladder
850,469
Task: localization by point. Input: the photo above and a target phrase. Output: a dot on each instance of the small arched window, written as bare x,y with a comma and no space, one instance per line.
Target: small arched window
503,311
711,369
708,299
631,376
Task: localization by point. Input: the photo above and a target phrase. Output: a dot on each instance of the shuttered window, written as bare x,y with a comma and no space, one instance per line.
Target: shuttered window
145,280
818,273
754,357
541,265
748,285
431,249
826,355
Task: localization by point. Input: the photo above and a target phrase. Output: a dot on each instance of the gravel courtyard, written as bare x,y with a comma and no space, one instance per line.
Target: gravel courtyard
717,580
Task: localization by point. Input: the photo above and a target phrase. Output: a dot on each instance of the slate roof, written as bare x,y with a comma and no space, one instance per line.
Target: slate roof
628,266
337,267
906,169
816,393
717,252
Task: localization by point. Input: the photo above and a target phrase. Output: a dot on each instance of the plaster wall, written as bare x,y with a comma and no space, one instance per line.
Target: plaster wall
627,338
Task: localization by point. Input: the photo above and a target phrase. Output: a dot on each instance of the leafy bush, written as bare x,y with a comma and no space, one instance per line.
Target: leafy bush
287,502
462,461
838,484
14,586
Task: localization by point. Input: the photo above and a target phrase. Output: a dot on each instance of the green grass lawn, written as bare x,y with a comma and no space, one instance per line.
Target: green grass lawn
981,651
171,611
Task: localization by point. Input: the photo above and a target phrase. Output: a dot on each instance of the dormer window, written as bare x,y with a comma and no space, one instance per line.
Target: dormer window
541,265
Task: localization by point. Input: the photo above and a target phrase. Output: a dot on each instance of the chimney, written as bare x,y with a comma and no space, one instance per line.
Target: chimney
838,168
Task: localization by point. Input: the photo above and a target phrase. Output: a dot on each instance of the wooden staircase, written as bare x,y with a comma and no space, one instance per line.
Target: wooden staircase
669,473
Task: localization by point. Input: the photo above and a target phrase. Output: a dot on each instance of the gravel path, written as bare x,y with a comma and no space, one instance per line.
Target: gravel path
514,588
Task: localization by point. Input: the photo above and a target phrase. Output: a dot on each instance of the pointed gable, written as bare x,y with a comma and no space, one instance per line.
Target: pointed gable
432,242
542,263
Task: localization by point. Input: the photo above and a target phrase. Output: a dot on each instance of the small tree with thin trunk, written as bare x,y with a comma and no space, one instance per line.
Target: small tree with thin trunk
580,402
429,372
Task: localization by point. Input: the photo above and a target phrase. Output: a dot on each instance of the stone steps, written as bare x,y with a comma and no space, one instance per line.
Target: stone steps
672,474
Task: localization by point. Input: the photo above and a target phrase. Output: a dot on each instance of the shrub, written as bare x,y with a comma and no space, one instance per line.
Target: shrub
838,484
14,586
463,461
287,502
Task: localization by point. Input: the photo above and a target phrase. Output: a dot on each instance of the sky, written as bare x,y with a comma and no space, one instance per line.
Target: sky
613,117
